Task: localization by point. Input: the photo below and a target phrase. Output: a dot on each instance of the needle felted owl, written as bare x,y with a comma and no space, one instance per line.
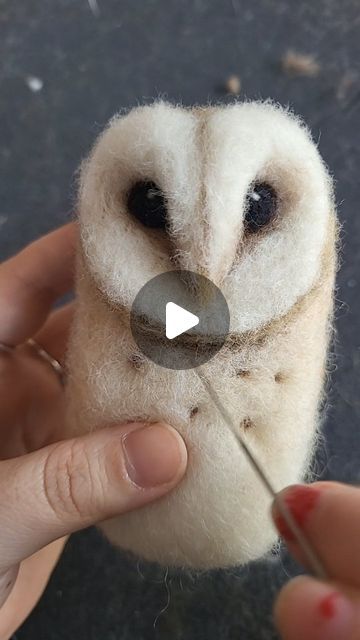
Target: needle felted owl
238,194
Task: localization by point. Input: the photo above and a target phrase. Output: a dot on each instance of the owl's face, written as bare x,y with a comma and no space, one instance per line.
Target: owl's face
238,194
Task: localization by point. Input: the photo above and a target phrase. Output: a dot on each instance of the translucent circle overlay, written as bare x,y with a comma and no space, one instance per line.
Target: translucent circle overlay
194,293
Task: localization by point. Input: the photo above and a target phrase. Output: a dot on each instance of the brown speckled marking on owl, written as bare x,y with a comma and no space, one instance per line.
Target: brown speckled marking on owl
136,360
243,373
280,376
194,411
247,423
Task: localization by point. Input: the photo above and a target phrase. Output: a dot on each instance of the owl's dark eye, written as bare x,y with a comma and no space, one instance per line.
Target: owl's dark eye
147,204
261,207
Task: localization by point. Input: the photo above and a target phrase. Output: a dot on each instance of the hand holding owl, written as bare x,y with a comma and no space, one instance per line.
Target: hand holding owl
48,490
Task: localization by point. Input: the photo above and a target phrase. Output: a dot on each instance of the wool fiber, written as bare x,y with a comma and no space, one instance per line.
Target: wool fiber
279,287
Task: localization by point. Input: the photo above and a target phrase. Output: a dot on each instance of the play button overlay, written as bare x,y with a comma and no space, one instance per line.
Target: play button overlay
180,319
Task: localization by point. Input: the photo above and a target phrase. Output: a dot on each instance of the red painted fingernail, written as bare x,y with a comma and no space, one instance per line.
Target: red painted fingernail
327,607
325,613
300,500
335,616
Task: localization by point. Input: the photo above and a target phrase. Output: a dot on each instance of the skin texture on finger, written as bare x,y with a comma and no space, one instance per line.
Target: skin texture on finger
75,483
32,408
31,281
312,610
33,576
329,515
7,580
31,395
54,335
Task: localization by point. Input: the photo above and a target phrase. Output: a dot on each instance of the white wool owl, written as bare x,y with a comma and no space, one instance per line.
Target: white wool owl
238,194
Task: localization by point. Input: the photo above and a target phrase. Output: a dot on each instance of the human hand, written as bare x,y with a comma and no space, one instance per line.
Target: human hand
329,515
50,487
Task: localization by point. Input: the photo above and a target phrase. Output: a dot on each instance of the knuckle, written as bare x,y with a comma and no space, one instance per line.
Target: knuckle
69,483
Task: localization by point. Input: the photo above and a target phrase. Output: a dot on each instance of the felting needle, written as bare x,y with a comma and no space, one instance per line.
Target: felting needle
314,562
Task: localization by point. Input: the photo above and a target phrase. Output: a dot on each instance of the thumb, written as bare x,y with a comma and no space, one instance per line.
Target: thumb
72,484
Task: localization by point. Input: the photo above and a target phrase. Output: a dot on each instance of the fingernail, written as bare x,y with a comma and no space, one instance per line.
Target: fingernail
154,455
334,614
300,500
309,608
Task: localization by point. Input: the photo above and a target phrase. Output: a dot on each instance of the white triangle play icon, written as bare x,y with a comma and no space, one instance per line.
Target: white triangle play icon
178,320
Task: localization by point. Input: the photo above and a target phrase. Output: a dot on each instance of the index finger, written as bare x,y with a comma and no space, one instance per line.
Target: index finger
329,515
31,281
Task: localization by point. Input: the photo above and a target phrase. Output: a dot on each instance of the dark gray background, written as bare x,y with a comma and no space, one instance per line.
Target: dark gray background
91,66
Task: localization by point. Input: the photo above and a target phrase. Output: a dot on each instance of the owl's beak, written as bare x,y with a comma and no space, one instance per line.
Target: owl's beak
207,254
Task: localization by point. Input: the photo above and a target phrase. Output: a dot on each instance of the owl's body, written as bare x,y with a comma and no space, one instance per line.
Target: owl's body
278,282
